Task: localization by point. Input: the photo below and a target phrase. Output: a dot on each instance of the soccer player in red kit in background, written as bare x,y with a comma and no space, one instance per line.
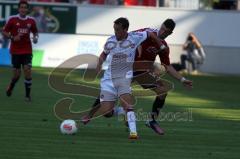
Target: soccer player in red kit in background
18,29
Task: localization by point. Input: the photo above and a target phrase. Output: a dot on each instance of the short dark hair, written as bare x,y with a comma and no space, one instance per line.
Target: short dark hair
190,38
170,24
123,21
23,2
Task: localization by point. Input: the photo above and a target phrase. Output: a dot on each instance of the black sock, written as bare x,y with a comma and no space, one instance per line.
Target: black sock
13,82
157,105
28,84
95,107
96,103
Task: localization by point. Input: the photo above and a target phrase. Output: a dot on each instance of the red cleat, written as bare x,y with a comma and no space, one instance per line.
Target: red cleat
85,119
155,126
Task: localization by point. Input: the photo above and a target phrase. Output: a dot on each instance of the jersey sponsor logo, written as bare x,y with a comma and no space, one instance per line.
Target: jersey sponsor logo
119,59
120,56
22,30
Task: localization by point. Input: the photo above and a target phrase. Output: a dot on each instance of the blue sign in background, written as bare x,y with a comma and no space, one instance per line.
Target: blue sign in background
5,58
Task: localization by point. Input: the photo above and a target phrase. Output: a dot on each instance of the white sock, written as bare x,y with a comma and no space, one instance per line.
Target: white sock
131,118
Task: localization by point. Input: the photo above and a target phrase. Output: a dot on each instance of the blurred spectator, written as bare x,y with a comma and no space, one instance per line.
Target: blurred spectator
152,3
96,1
131,2
38,12
149,3
195,53
45,20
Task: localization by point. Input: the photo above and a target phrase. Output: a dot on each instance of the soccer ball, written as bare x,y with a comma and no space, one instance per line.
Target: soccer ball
68,127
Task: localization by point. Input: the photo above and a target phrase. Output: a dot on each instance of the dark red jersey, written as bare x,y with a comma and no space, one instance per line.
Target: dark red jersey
23,27
150,50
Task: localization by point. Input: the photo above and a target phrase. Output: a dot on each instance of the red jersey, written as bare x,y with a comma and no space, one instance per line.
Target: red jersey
150,50
23,26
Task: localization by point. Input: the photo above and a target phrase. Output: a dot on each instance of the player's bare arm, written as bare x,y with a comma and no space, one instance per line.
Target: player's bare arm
102,58
170,70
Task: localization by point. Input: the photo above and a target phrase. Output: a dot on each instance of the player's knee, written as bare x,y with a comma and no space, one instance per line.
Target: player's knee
27,67
28,70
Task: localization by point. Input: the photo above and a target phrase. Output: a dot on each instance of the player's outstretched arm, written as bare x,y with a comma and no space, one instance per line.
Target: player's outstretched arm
170,70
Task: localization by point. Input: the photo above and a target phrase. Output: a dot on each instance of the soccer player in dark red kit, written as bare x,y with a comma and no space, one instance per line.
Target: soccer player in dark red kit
148,53
18,29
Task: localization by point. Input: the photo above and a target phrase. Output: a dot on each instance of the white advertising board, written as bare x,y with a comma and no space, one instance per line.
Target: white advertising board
57,48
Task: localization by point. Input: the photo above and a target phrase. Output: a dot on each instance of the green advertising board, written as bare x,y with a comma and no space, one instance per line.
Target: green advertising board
50,18
37,58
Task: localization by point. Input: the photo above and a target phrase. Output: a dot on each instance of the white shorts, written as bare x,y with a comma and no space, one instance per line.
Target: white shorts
111,89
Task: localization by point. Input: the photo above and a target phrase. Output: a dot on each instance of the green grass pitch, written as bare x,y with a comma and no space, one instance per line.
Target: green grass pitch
210,129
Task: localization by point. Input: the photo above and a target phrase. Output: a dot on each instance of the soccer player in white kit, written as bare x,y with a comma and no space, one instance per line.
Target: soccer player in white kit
119,52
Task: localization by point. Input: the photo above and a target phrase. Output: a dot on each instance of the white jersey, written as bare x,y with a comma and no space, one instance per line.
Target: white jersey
121,55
